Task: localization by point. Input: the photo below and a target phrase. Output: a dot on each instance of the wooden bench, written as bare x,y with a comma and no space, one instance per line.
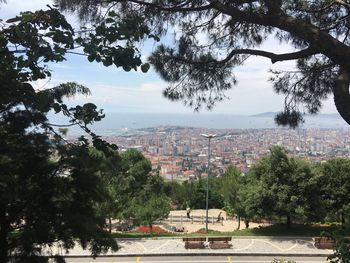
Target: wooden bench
219,242
194,242
327,242
324,242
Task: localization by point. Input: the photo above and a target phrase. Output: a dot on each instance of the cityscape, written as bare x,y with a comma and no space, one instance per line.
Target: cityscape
148,131
181,153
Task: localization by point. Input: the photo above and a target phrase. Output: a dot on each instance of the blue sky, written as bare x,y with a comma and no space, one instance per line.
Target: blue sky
117,91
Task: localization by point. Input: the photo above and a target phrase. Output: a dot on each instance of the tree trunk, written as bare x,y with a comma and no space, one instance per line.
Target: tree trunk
3,242
289,222
246,222
110,224
342,219
150,228
338,216
341,94
239,222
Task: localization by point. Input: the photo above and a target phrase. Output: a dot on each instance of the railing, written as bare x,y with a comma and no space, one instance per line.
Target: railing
173,219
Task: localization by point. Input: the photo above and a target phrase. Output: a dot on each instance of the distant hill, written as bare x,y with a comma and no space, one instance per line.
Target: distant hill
328,115
265,114
323,115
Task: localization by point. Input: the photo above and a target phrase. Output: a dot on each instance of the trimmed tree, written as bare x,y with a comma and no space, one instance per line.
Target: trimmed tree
151,203
334,177
288,187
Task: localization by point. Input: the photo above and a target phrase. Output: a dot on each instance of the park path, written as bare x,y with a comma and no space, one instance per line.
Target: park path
277,246
240,246
179,218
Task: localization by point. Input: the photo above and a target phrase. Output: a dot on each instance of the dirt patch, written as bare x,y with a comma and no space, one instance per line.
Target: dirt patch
227,225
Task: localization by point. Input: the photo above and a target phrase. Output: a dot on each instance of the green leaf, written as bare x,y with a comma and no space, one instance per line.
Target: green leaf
110,20
127,68
145,67
107,61
112,13
13,20
56,107
91,58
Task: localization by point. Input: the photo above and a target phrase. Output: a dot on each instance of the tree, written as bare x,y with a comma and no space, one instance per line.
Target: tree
215,198
48,193
31,40
214,37
335,185
193,194
109,172
132,193
232,184
198,195
151,203
241,195
131,178
50,188
135,169
289,188
341,250
139,195
254,207
177,193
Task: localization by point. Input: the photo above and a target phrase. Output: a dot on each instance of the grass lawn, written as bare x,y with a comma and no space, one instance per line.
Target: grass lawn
142,235
274,230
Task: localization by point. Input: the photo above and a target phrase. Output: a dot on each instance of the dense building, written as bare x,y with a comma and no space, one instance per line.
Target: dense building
179,153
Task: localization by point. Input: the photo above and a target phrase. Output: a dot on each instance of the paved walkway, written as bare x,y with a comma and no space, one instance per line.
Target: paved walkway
240,246
223,226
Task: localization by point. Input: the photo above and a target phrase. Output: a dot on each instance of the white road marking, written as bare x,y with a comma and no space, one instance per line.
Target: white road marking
244,248
207,261
277,247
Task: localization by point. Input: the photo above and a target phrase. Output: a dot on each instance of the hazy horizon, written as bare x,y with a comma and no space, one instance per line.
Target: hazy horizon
116,122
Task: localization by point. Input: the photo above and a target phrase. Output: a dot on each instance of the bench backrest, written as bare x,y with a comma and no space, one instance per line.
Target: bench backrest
223,239
194,239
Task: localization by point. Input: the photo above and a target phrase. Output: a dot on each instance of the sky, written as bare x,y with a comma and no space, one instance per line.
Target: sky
117,91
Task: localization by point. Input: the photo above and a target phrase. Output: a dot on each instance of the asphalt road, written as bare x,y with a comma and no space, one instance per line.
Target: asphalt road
195,259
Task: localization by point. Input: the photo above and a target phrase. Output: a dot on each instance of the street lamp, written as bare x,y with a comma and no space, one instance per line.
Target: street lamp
209,136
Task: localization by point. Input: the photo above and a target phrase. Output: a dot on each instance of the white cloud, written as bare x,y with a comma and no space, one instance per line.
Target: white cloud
60,66
157,86
42,84
143,92
144,98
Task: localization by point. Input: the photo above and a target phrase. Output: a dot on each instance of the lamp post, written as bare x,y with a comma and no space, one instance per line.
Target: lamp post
209,136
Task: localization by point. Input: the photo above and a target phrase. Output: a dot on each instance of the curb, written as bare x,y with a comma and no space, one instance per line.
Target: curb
233,237
202,254
209,252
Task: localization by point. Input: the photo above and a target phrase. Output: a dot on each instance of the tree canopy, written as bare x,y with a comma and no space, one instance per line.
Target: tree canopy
334,178
51,190
287,187
150,203
214,37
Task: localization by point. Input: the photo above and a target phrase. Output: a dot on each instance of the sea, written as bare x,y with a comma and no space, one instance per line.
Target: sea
115,123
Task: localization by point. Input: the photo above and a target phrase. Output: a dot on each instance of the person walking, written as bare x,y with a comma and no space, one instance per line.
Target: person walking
219,217
188,211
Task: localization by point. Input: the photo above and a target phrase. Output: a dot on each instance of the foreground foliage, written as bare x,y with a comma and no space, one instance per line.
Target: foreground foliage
53,192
